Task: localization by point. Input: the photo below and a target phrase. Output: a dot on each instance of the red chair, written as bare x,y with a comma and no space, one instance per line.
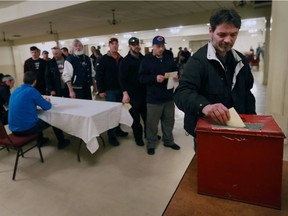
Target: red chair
17,143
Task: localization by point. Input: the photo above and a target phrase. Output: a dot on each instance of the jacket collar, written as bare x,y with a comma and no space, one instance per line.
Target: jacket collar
211,55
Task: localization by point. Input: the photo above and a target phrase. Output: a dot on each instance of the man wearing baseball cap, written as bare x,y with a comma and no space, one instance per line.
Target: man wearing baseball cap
108,84
45,55
133,91
160,105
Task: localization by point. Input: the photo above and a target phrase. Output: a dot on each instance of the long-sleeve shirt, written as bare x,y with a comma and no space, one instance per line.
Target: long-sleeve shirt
23,108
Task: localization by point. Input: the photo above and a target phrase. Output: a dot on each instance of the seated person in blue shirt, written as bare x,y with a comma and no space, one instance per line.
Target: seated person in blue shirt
22,116
5,86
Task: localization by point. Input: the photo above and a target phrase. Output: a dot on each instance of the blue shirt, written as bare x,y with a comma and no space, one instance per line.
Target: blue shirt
23,104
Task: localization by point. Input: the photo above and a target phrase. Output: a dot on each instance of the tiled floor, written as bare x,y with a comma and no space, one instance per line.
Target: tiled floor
114,181
121,180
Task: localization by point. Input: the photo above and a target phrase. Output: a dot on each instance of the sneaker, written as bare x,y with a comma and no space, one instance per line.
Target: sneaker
121,133
42,141
113,141
151,151
139,142
63,144
173,146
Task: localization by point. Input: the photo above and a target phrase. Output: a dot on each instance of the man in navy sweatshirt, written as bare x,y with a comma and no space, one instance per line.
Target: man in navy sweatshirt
160,105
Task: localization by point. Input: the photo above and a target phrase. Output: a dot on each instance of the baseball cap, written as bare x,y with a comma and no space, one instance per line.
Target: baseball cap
158,40
113,40
45,52
33,48
133,41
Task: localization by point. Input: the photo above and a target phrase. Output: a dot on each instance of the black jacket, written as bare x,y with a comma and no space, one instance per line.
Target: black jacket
129,77
107,73
152,66
53,77
4,100
30,65
203,82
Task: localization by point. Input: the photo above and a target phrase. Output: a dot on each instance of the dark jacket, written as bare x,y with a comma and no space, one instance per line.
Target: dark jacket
107,73
129,77
204,82
4,100
152,66
82,70
30,65
53,77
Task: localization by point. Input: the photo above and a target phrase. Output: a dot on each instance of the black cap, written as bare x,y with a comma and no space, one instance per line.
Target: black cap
133,41
45,52
33,48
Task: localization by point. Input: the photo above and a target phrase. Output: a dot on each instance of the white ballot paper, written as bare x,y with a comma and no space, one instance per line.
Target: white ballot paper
235,120
171,82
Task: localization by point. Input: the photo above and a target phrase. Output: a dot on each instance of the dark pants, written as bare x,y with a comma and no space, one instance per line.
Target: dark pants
83,93
38,128
64,92
113,96
138,111
4,117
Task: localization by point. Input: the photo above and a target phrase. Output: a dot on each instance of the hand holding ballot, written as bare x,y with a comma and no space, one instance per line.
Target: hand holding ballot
220,114
172,79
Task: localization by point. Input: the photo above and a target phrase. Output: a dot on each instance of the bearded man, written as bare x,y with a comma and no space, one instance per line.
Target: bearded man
133,91
79,73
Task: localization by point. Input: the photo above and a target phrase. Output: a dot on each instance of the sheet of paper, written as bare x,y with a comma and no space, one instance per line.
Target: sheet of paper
235,120
171,82
127,106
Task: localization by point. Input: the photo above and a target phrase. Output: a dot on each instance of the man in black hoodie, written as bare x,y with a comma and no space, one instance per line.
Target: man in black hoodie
160,105
133,91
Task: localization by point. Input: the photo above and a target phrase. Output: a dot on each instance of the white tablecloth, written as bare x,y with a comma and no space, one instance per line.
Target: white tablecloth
85,119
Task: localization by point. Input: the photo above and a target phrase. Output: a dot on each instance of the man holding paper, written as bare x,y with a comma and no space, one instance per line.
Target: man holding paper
160,105
133,91
216,77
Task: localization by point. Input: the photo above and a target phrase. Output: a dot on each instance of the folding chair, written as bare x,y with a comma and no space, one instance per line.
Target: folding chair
10,141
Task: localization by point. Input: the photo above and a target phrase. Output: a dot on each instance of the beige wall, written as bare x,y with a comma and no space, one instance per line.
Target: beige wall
278,65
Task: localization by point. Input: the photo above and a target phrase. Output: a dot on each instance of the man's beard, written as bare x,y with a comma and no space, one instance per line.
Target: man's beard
135,51
81,52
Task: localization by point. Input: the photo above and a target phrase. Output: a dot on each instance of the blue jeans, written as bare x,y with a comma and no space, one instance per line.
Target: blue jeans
113,96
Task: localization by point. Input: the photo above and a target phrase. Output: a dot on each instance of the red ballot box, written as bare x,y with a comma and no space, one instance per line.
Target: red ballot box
239,163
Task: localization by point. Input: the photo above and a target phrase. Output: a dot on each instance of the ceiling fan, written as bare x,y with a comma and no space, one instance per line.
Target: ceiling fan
51,31
114,21
4,37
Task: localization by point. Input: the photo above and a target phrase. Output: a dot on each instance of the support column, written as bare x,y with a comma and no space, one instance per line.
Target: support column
277,91
266,53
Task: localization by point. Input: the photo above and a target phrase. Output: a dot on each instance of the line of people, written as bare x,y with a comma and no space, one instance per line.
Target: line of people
118,80
216,78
